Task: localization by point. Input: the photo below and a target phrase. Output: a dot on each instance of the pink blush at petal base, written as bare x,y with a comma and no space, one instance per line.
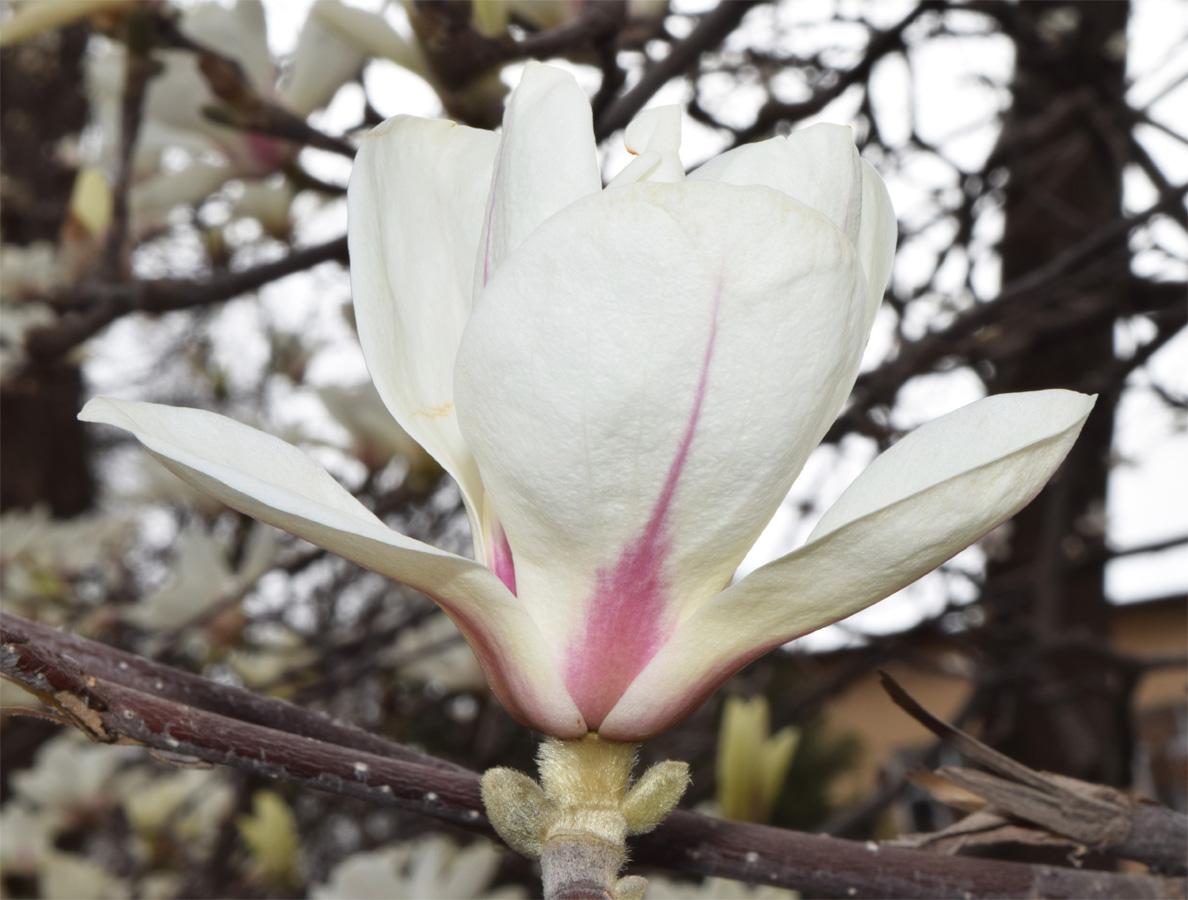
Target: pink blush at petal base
512,687
626,615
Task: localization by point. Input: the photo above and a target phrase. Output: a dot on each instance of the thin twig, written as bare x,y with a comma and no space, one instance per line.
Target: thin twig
709,33
100,305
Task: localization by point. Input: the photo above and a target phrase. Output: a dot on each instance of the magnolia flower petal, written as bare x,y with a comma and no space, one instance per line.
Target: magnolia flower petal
152,200
654,137
240,32
932,494
325,59
877,235
415,206
640,383
820,166
547,160
272,481
31,19
374,36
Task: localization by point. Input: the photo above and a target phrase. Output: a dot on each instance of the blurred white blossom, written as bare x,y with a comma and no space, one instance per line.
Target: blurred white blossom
69,876
433,868
203,578
39,554
190,803
71,778
434,653
377,436
660,888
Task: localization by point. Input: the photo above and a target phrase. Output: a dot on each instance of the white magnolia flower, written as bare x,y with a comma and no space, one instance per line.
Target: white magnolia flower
26,839
433,868
28,270
69,876
432,653
191,803
70,777
377,436
334,43
203,578
624,383
40,554
660,888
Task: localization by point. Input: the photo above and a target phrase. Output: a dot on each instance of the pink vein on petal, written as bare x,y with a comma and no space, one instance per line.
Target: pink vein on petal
625,616
491,221
502,563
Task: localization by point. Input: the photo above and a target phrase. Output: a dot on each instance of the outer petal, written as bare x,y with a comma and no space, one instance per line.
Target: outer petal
415,204
932,494
278,484
640,384
547,160
820,166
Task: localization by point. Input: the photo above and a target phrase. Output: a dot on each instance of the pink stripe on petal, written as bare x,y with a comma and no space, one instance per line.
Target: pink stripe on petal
501,562
625,619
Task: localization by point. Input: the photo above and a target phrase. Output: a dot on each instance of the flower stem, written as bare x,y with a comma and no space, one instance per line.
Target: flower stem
576,821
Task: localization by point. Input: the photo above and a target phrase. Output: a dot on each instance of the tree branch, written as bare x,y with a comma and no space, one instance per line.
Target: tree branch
117,698
100,305
709,33
1100,817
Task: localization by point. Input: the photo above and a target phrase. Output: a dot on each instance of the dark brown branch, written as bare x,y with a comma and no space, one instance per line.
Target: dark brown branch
170,684
597,22
1097,816
138,70
117,698
881,384
100,305
833,867
709,33
881,44
244,108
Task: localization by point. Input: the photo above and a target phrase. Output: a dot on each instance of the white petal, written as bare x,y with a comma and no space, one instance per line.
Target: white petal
276,483
239,32
324,60
546,161
935,492
374,36
31,19
415,204
151,201
640,383
877,233
820,166
654,137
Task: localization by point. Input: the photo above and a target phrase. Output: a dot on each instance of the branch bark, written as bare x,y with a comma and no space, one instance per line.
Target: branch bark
119,698
709,33
1092,815
100,305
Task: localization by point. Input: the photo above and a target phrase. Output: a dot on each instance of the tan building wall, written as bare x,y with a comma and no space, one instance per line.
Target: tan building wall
1157,629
